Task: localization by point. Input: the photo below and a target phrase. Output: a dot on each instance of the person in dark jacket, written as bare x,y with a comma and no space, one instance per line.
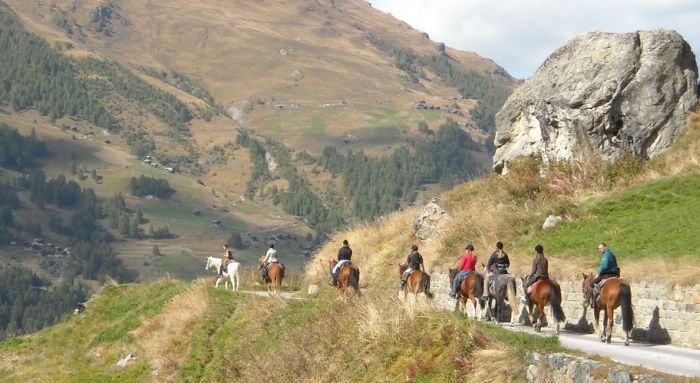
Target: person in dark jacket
608,266
415,262
540,270
498,264
344,256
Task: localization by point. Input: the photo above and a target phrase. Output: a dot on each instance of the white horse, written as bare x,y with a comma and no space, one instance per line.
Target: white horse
231,272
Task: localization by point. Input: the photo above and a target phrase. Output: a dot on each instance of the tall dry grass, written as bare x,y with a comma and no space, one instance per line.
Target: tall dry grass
163,338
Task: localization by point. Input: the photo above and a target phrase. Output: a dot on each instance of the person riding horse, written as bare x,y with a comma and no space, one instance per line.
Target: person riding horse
608,268
467,265
344,256
498,264
270,257
415,262
225,260
540,270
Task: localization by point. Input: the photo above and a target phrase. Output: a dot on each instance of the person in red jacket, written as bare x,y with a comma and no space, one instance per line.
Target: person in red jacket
466,265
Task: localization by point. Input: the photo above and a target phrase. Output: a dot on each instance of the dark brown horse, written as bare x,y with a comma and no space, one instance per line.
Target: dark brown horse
472,288
348,276
615,293
417,282
544,292
273,277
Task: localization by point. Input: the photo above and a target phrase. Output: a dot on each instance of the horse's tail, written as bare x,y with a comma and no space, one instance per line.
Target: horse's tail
425,285
354,278
626,306
479,288
511,290
555,301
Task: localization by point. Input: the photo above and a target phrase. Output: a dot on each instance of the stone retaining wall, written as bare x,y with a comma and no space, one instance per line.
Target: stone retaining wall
662,315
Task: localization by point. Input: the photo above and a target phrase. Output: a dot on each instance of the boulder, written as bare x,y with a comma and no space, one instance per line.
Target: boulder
551,222
125,361
313,290
601,94
429,221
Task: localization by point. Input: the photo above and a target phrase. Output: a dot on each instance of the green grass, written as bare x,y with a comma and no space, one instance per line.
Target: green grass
7,175
657,219
66,352
247,338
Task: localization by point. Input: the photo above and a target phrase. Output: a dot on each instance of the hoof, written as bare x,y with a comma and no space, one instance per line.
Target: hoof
608,340
627,343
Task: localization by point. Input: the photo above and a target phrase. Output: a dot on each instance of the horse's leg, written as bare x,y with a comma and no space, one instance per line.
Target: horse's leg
540,315
611,320
596,319
218,280
238,279
604,330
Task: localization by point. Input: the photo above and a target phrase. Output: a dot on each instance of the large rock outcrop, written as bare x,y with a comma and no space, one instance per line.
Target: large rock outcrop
601,94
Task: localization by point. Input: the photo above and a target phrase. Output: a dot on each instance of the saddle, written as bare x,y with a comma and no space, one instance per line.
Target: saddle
604,280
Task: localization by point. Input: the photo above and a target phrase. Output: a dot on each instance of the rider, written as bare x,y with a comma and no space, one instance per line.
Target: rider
466,265
608,267
498,264
540,270
270,257
414,261
344,256
225,259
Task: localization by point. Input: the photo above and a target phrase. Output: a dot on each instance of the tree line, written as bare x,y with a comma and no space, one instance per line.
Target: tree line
32,75
143,185
29,303
377,186
17,152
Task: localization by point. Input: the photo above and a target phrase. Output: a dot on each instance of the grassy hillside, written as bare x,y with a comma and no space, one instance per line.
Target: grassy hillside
645,212
191,332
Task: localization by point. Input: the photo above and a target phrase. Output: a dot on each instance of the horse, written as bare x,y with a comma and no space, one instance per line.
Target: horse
504,289
416,283
472,287
348,276
273,276
231,272
543,292
615,293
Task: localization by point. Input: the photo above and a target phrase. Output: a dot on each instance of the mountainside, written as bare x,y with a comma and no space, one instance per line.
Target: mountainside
174,331
169,129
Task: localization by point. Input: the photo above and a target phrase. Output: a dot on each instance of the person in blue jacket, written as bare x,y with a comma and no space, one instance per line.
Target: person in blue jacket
608,266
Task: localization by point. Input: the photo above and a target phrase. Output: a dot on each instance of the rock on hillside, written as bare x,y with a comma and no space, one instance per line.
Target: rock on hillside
601,94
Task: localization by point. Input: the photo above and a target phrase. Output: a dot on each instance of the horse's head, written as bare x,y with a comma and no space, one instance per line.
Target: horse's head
261,261
331,264
208,266
523,279
453,274
402,268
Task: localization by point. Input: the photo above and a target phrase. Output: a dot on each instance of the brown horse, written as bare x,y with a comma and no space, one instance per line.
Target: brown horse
417,282
472,288
545,291
348,276
273,277
615,293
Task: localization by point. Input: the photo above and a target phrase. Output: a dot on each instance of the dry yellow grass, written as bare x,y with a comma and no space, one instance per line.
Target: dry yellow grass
164,338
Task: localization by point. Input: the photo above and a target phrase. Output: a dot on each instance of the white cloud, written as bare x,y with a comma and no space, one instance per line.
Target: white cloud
520,34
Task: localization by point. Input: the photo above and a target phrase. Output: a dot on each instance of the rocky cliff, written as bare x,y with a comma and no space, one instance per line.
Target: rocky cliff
601,94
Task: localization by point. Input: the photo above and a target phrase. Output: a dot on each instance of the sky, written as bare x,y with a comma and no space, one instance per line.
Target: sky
519,34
